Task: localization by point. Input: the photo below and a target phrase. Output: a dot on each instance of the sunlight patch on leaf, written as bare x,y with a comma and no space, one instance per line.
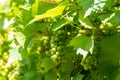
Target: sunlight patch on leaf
88,12
97,5
85,21
82,52
14,55
35,7
20,37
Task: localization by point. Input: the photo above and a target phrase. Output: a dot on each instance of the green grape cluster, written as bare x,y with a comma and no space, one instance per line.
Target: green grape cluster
58,44
89,62
8,71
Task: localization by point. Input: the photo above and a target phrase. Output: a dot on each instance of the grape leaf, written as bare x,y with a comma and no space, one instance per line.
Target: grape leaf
85,21
35,7
115,20
109,56
79,77
52,75
90,6
50,13
47,64
20,37
84,43
44,6
60,23
14,55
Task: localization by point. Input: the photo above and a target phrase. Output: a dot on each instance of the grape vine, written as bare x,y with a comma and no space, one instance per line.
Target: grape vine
59,40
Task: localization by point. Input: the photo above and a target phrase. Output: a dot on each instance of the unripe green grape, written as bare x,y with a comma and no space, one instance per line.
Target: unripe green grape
45,38
56,39
68,33
60,43
5,58
2,63
8,66
52,45
57,53
3,73
47,53
59,32
5,70
53,49
45,41
54,57
86,67
59,48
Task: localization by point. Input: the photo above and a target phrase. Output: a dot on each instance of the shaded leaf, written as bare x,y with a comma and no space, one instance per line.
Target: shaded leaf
115,20
47,64
52,75
83,44
79,77
59,24
109,57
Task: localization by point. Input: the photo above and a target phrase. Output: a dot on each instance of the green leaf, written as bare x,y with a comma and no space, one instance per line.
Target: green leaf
45,6
85,4
108,4
67,66
59,24
52,75
115,20
35,7
83,44
50,13
109,57
79,77
1,22
90,6
85,21
18,2
88,12
47,64
20,37
118,77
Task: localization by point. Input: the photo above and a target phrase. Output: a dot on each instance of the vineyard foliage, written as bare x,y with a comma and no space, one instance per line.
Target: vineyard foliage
60,40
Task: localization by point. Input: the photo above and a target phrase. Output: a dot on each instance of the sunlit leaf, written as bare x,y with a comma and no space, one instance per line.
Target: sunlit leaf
35,7
14,55
50,13
20,37
85,21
